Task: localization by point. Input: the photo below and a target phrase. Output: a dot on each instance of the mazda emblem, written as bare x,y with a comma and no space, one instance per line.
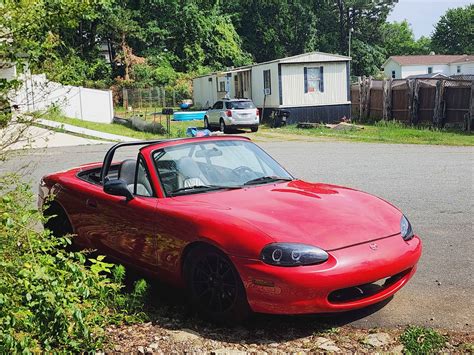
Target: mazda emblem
373,246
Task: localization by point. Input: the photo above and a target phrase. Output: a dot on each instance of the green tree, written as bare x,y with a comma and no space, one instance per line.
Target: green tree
454,33
365,17
398,39
56,36
366,58
273,29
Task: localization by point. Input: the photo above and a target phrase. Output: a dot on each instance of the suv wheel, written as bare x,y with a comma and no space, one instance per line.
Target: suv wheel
254,129
222,126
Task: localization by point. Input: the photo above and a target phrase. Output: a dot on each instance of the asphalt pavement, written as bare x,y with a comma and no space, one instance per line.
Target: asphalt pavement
433,185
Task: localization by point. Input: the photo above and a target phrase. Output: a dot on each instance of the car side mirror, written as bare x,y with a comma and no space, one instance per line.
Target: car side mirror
118,187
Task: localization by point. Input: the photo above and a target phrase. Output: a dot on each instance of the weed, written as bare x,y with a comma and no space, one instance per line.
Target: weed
420,340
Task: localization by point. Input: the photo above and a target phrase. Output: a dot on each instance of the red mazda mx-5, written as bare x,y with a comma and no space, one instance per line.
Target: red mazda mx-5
219,216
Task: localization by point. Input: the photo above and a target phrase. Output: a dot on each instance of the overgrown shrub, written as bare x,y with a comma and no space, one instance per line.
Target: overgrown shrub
52,299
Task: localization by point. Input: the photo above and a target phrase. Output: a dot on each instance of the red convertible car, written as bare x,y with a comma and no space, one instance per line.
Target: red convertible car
219,216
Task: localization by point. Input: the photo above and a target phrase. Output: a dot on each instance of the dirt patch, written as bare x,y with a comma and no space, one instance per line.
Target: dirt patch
153,337
173,328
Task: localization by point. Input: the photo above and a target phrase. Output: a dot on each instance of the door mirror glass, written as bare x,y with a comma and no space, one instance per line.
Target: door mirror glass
118,187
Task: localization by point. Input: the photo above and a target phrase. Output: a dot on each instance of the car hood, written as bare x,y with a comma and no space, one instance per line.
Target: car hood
328,216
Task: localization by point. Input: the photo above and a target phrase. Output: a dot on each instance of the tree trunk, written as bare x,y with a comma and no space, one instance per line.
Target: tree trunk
342,32
126,59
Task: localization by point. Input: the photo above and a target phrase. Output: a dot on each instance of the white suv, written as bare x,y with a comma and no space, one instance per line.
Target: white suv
232,113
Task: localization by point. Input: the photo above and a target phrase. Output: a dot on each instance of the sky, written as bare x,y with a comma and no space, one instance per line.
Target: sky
423,14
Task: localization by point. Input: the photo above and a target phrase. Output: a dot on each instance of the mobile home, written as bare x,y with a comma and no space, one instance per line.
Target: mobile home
314,87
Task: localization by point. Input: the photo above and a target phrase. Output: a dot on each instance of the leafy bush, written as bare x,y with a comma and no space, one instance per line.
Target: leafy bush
420,340
50,298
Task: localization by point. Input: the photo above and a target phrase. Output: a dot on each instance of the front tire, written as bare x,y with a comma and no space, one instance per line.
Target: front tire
58,221
214,285
206,123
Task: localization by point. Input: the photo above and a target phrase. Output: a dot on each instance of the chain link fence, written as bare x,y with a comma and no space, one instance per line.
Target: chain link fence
147,103
141,98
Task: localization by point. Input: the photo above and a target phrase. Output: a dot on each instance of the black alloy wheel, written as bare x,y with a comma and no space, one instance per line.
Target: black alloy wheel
216,290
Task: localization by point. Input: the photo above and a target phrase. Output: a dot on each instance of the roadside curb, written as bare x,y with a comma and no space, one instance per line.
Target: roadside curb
84,131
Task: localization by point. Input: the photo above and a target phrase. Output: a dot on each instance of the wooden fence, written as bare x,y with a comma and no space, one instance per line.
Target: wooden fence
426,102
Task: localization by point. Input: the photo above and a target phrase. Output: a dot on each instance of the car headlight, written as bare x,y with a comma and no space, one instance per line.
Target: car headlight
292,254
405,229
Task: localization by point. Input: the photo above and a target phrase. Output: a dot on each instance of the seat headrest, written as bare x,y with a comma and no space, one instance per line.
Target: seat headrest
188,168
127,171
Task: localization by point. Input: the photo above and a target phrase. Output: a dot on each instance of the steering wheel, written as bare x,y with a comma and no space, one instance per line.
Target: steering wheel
244,172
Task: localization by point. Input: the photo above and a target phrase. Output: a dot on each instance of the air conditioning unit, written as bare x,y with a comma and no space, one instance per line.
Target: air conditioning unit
266,91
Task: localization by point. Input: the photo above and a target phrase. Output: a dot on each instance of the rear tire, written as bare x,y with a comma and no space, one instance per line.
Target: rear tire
215,289
222,126
254,129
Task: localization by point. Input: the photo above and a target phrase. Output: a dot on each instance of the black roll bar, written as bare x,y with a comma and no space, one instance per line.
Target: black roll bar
110,155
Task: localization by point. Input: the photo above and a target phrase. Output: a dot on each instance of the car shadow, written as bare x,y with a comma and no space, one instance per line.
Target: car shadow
238,131
167,308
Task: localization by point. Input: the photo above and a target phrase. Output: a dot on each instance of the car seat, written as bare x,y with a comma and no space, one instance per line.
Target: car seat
127,173
190,173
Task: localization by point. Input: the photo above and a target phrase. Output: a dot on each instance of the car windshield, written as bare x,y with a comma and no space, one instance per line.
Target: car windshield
239,105
214,165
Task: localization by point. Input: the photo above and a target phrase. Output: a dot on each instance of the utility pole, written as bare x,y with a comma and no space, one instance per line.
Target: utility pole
351,31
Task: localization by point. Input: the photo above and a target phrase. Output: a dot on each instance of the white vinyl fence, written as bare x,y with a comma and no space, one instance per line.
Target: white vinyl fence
38,94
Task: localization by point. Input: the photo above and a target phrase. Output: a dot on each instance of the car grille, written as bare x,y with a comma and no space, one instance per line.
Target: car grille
359,292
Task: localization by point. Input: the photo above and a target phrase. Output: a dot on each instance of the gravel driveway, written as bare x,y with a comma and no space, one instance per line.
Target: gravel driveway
433,185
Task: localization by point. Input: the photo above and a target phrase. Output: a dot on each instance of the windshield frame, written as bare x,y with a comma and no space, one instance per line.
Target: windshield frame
167,194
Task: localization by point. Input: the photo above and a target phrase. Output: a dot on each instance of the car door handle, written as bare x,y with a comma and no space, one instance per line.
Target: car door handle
91,203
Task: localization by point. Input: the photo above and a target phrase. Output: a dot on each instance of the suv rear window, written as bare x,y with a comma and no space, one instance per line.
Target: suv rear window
239,105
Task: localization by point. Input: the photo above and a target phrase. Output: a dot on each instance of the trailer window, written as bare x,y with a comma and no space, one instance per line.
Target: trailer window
267,82
313,79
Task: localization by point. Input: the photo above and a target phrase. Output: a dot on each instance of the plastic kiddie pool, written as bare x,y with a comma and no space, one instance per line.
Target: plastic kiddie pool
188,115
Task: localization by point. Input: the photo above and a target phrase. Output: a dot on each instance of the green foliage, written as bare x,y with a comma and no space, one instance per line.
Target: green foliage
154,42
400,40
274,28
454,33
50,300
72,70
367,59
420,340
5,112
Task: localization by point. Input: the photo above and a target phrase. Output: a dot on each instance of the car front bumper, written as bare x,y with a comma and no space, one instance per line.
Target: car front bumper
344,282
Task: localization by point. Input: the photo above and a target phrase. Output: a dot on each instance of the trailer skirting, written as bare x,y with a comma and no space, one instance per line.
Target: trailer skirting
324,114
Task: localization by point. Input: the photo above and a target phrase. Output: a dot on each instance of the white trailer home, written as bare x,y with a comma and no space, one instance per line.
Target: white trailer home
405,66
314,87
